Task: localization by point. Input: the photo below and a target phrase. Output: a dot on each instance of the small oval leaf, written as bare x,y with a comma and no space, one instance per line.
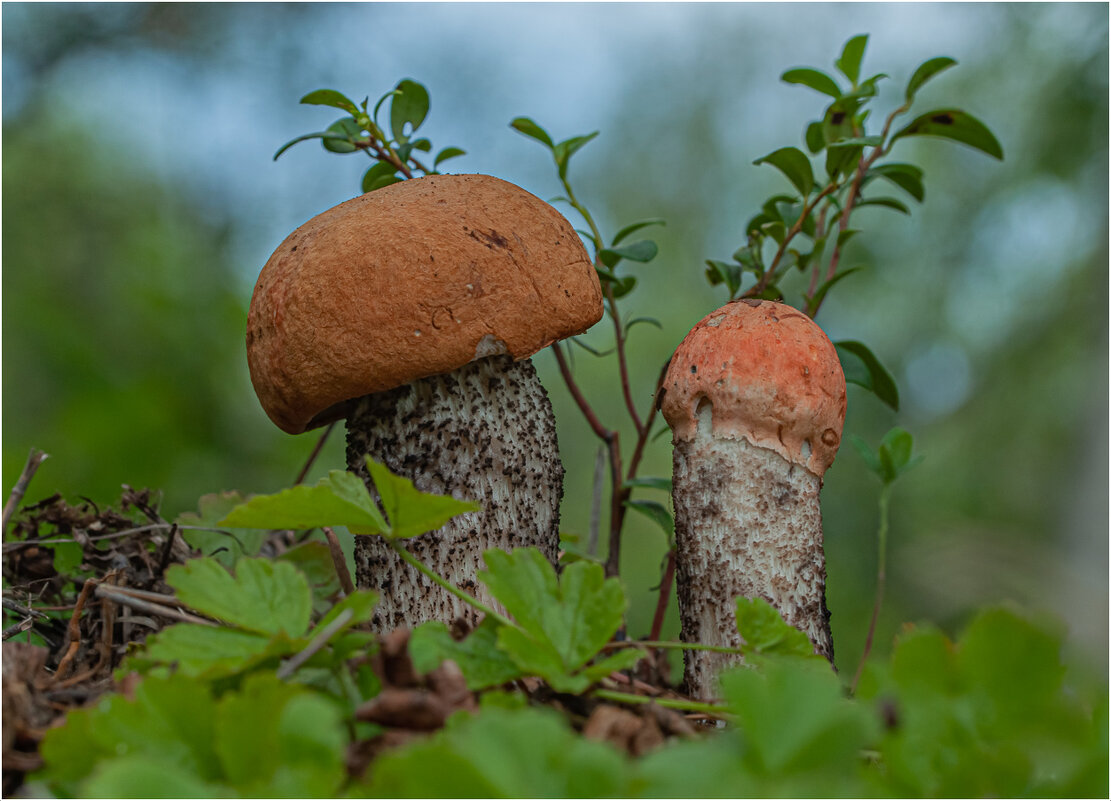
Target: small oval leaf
851,56
531,129
815,79
960,126
409,106
925,71
330,97
793,163
862,368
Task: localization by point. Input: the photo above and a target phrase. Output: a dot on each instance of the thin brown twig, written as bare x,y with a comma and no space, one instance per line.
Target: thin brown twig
664,596
315,452
34,459
339,560
124,597
73,631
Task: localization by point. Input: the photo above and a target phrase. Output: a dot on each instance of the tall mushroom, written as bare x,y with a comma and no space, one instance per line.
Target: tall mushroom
755,397
412,312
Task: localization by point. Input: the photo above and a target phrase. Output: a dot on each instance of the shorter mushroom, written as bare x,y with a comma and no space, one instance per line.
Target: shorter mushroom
412,311
755,397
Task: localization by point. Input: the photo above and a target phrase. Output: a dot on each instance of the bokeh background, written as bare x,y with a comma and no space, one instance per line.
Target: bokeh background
140,200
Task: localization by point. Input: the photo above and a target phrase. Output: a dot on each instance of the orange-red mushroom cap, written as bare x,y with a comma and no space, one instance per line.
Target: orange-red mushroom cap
412,280
770,375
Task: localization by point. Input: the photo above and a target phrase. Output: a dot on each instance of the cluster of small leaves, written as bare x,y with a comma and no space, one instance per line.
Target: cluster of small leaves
819,209
395,149
893,457
607,257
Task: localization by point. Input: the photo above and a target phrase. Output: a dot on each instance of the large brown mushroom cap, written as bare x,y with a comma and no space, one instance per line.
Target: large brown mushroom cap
772,377
412,280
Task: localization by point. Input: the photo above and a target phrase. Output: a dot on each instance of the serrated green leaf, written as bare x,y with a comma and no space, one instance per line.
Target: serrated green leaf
409,107
815,79
447,153
862,368
634,227
330,97
340,499
148,776
851,56
278,740
794,164
314,560
656,512
765,633
905,176
227,545
168,719
925,71
957,125
264,596
531,129
359,603
212,652
563,623
410,511
501,753
477,655
796,722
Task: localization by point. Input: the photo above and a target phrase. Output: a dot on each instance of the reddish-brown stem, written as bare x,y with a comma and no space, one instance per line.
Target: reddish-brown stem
766,278
315,452
592,420
622,363
339,561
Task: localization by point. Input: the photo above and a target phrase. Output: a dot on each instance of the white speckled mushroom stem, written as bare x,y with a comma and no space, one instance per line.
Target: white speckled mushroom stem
484,433
747,523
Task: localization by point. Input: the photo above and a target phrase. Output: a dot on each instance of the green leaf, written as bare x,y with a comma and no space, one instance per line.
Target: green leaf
863,369
501,753
326,135
447,153
408,107
167,720
629,229
794,164
723,272
410,511
531,129
330,97
345,133
765,633
381,174
264,596
477,655
650,482
148,776
340,499
925,71
638,320
314,560
68,557
851,56
815,79
643,251
567,148
657,513
797,724
815,140
227,545
212,652
842,160
871,459
905,176
820,293
278,740
563,623
885,202
956,125
359,603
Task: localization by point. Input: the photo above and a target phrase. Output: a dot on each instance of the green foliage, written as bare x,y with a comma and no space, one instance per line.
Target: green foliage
342,499
361,131
202,532
892,458
177,739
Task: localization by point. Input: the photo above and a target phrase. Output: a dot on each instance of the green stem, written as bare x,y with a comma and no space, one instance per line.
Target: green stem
409,559
680,646
881,580
670,703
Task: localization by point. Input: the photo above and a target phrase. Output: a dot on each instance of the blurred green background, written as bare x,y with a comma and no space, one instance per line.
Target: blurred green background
140,200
